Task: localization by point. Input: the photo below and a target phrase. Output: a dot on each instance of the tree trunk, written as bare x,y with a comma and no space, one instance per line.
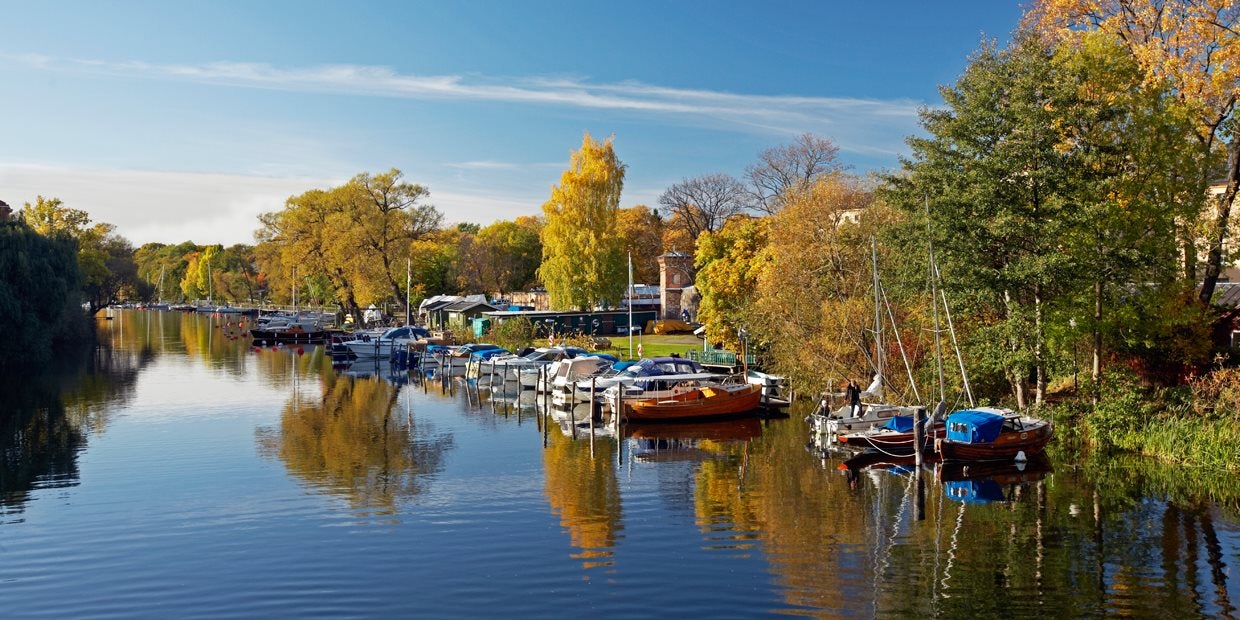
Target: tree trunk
1214,260
1038,347
1096,373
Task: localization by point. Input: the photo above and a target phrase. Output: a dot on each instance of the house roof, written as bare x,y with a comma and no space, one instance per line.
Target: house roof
462,306
1228,296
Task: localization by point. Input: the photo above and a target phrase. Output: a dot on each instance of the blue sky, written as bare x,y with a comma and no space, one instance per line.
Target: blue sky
180,121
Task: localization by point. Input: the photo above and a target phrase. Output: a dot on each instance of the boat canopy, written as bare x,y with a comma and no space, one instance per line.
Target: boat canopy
900,423
972,426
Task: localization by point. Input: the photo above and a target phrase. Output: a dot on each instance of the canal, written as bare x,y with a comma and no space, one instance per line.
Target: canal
177,472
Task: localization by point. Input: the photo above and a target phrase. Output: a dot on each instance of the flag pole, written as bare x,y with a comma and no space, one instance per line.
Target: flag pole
631,289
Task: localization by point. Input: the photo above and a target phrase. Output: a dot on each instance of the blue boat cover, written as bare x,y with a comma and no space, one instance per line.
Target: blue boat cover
970,426
977,491
900,423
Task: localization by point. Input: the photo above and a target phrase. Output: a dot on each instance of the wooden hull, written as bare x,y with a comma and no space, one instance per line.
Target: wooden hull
1004,447
707,402
892,442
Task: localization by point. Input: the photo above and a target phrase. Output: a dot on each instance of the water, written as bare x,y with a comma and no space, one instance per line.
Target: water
177,472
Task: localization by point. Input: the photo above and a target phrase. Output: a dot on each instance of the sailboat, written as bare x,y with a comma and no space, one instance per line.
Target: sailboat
873,413
159,286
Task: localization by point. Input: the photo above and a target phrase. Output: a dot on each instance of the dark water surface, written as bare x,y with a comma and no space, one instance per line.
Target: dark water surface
179,473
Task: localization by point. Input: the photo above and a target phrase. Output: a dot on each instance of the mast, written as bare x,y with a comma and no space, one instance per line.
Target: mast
160,286
408,285
878,322
209,282
294,289
938,347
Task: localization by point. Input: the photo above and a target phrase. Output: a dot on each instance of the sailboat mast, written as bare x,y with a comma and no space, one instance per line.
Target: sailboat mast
934,300
878,322
408,285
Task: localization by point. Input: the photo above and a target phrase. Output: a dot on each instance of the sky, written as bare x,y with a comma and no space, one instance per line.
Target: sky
179,121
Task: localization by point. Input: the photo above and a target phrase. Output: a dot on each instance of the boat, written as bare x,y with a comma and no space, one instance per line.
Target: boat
895,437
383,345
774,387
710,401
560,377
992,434
652,372
284,328
873,413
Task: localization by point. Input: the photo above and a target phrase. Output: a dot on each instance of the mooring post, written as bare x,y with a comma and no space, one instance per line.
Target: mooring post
919,428
593,404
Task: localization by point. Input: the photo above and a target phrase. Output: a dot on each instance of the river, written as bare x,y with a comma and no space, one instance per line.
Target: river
178,472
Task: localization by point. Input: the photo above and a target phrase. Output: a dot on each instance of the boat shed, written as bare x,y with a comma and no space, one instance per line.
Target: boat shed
588,322
460,314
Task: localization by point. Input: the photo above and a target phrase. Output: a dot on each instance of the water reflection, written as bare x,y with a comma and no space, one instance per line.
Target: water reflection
582,489
355,442
754,523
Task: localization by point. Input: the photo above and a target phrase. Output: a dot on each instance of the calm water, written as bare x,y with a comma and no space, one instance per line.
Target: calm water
179,473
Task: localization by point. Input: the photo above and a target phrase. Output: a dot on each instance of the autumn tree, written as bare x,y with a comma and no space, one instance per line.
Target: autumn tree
642,230
583,256
513,251
703,204
730,263
1193,46
815,303
355,237
791,167
385,218
105,259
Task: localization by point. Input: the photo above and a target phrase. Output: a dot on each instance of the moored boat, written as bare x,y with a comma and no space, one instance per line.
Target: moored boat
989,434
704,402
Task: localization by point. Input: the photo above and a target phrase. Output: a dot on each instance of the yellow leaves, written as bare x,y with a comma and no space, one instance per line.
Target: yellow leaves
1191,44
583,257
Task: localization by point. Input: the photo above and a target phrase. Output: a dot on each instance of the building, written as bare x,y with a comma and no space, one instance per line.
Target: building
675,274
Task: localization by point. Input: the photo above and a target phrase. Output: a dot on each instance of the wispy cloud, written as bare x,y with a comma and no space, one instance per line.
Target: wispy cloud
845,119
170,207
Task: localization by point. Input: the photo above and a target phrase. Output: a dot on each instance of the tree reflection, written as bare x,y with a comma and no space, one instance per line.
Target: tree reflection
582,489
46,418
352,442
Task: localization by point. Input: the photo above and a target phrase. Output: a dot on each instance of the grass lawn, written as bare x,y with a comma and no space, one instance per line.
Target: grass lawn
653,346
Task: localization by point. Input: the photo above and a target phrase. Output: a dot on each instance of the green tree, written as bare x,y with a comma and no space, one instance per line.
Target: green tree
998,181
1192,47
40,293
583,256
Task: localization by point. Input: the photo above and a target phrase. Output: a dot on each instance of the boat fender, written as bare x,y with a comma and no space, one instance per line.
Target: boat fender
1020,457
938,444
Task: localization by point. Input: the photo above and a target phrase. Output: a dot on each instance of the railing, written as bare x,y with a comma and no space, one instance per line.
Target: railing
720,358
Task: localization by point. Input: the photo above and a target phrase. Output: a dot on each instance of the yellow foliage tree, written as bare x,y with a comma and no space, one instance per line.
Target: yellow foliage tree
583,254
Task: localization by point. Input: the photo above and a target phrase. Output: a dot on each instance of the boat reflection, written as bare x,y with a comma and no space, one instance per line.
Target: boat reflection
364,368
989,482
694,441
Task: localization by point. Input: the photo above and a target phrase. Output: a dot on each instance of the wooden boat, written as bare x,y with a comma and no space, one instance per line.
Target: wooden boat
894,437
989,434
703,402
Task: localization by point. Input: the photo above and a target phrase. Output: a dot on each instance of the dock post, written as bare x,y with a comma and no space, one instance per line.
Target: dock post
919,432
593,404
